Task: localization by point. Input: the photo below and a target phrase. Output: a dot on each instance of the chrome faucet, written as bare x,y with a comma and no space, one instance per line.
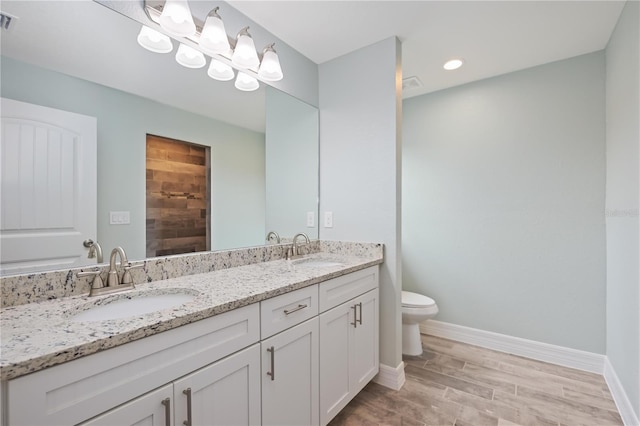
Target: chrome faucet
273,234
95,250
295,247
112,278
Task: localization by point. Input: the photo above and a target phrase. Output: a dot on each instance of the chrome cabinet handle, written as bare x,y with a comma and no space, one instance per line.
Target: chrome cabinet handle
296,309
272,373
167,411
188,393
360,319
355,316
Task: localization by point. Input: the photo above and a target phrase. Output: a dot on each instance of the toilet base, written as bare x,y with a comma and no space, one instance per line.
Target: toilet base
411,343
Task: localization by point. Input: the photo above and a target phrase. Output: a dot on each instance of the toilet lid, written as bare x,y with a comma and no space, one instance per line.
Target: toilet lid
415,300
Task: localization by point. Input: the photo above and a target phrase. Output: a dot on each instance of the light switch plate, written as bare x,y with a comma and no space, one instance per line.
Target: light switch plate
119,218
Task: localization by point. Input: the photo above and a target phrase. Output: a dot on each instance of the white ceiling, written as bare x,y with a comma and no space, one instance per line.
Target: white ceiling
493,37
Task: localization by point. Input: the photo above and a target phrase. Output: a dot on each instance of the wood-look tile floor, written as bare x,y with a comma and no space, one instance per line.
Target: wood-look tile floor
453,383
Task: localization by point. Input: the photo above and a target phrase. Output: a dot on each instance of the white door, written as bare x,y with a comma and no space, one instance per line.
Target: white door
224,393
47,187
152,409
290,376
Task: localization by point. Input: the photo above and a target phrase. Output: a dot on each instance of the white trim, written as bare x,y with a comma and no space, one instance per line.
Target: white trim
391,377
625,408
560,355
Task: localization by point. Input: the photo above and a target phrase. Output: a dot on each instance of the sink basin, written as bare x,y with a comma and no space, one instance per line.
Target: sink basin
124,306
316,263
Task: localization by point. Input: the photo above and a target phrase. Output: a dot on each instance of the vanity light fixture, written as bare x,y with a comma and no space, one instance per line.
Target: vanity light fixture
176,18
246,83
209,37
154,41
189,57
244,54
453,64
218,70
270,69
213,39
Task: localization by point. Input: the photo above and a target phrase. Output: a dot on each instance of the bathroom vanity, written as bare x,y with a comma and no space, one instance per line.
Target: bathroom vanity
271,343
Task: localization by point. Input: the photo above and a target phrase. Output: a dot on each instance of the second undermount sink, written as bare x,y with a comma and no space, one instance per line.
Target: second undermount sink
316,263
135,304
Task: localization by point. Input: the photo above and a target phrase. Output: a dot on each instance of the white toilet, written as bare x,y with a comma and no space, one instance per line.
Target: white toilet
415,309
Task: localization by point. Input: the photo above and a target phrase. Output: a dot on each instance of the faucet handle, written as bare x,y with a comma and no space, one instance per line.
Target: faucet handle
97,280
126,276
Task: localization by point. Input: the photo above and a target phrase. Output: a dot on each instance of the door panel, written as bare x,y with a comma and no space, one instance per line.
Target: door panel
47,187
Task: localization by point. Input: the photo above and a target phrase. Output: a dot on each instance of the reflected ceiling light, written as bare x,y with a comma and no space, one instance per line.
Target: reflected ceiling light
154,41
190,57
213,38
218,70
246,83
176,18
453,64
244,54
270,69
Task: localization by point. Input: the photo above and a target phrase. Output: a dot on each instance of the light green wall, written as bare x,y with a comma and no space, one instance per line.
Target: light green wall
503,200
622,204
292,164
237,155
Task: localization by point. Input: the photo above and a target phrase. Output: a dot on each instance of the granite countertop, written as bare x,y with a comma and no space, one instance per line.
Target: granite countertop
44,334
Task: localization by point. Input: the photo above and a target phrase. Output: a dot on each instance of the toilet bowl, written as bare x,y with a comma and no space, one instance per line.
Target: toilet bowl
415,309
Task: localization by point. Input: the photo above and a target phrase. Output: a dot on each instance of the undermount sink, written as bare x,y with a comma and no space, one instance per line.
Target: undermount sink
124,306
316,263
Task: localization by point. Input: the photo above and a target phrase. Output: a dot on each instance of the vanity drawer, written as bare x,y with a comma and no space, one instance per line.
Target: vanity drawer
338,290
287,310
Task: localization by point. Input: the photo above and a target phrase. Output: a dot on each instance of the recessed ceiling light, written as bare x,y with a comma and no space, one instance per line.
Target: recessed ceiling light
453,64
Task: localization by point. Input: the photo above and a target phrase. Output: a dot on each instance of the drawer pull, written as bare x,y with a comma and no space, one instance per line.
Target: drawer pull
167,411
355,316
360,319
188,421
296,309
272,373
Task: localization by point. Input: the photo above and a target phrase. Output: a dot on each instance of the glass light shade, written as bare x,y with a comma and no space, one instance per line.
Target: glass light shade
245,55
220,71
154,41
176,18
213,39
190,57
270,69
246,83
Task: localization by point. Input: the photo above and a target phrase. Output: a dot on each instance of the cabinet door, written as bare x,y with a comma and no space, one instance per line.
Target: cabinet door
364,347
152,409
226,392
336,327
290,376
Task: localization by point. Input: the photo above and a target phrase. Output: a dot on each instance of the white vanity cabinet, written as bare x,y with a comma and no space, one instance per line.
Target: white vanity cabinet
290,358
78,391
348,339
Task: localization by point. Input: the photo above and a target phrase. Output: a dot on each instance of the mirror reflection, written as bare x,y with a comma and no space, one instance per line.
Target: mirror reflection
262,161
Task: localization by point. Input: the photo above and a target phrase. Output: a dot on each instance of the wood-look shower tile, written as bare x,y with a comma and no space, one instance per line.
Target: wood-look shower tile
365,415
450,381
473,417
585,398
463,352
489,407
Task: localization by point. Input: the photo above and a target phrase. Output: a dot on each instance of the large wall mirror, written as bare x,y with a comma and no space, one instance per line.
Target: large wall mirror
83,57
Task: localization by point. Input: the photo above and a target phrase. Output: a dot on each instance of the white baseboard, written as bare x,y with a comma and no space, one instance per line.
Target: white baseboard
629,417
560,355
391,377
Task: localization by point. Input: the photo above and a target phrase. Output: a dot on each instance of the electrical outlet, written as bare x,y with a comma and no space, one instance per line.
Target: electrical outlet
310,220
328,219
